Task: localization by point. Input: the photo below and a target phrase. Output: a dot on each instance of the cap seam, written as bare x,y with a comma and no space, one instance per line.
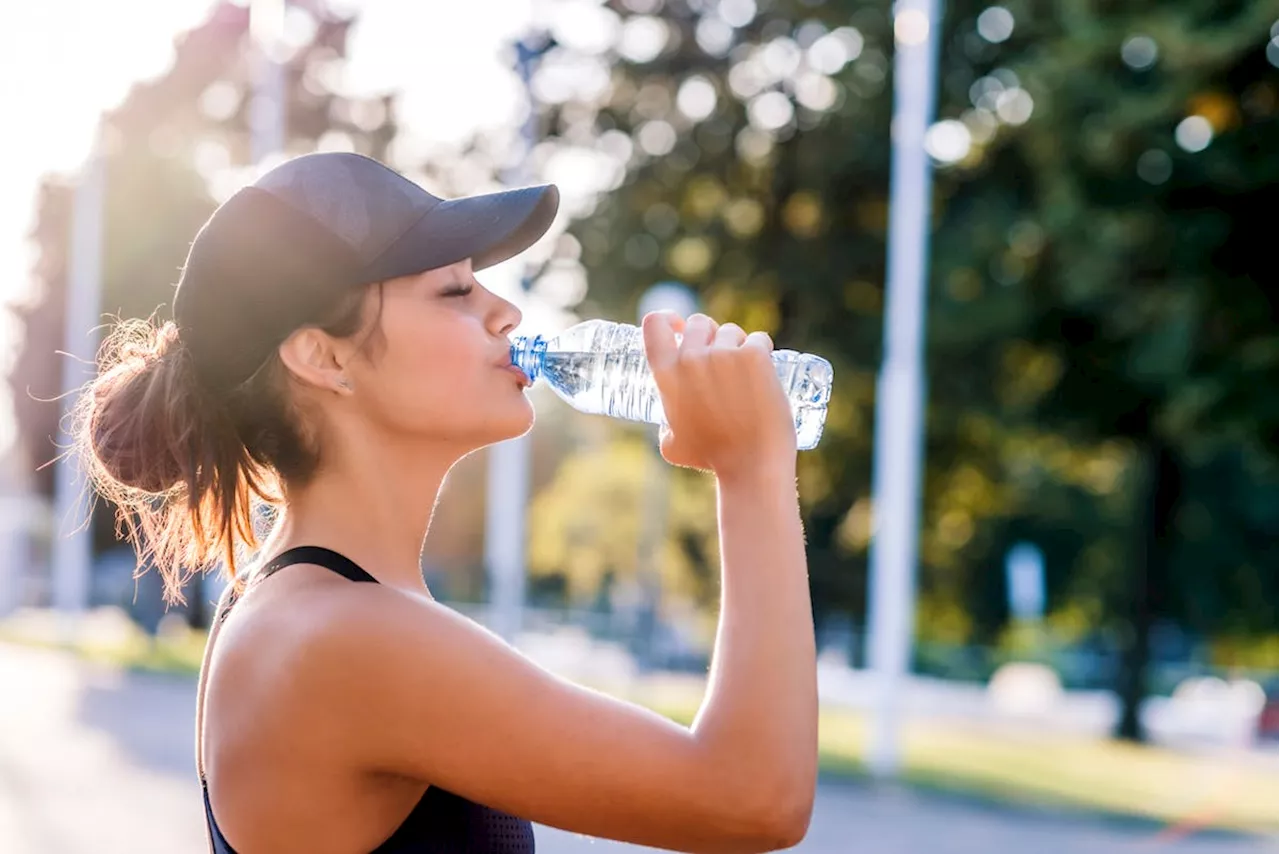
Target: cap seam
373,262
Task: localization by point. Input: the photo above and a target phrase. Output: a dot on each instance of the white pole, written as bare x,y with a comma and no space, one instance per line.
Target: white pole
507,484
267,109
900,388
17,524
504,534
72,546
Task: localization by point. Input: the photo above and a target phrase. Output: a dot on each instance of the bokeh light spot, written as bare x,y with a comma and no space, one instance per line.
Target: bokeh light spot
1194,133
995,24
947,141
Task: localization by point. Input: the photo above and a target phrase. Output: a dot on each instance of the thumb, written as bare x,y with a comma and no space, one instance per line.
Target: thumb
666,440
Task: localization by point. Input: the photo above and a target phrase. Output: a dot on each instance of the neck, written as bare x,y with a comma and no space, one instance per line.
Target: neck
372,503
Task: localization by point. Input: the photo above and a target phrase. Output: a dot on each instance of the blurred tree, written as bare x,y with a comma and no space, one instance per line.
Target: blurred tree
174,148
1106,166
587,525
1102,326
756,154
760,180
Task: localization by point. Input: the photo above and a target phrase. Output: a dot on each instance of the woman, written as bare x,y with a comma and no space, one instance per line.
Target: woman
333,354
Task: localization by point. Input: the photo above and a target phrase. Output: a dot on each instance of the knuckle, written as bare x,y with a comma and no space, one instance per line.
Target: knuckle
723,354
696,357
759,357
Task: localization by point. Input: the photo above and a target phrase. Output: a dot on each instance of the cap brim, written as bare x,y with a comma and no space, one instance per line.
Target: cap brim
488,229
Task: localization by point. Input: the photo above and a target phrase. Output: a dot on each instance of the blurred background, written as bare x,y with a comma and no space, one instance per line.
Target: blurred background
1068,638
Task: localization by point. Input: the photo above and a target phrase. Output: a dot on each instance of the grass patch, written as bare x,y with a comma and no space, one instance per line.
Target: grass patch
107,637
1071,772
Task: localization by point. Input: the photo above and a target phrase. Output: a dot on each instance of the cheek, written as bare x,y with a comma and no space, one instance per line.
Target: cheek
435,379
428,376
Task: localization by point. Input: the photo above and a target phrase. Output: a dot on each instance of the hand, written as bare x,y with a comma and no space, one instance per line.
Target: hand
726,410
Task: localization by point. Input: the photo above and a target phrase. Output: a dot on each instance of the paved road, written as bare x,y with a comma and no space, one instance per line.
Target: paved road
94,761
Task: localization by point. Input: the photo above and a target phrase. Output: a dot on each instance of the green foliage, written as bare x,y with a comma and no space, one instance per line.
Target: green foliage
590,523
1097,289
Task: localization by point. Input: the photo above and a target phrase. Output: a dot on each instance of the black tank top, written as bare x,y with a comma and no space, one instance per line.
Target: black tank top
442,822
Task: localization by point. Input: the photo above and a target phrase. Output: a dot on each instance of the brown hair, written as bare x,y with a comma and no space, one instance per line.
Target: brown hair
187,468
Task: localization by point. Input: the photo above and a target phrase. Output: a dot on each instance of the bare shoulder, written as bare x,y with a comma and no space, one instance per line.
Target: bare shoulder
370,628
412,688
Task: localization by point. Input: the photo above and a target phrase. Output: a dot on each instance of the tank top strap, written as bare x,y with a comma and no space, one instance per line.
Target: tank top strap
318,556
315,555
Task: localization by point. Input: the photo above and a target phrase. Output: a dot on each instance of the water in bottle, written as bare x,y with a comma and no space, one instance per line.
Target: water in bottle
600,368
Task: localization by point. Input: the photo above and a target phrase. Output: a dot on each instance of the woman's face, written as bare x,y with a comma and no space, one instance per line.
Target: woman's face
438,364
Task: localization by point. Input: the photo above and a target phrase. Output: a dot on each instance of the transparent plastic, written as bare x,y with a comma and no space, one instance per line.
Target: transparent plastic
599,368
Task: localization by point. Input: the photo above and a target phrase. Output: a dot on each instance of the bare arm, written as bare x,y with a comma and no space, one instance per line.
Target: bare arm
762,699
728,414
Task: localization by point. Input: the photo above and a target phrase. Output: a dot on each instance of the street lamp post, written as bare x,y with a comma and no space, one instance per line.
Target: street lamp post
267,107
72,546
900,391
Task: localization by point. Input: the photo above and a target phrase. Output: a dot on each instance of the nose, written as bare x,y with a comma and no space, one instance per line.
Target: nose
505,316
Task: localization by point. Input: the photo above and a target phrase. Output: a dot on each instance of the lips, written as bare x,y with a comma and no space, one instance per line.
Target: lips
523,377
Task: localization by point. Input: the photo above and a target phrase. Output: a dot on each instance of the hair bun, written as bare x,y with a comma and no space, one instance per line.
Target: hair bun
143,411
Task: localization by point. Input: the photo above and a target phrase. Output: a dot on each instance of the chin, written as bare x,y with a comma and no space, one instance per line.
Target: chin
510,424
521,425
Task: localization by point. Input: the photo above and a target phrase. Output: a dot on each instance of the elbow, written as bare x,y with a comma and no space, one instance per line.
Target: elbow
789,804
765,807
785,825
779,817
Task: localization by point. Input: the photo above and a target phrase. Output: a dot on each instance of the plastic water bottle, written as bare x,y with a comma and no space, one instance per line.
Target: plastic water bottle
600,368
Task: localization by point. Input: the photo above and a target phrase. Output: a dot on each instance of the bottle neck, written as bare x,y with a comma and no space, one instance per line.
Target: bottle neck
528,355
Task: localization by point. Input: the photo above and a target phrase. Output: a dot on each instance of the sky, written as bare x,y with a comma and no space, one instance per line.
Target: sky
81,57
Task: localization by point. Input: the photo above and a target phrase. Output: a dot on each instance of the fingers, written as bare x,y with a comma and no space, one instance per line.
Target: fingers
730,335
699,332
660,345
711,379
759,340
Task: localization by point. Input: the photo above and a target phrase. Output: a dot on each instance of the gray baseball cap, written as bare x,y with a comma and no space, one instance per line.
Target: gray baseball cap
280,252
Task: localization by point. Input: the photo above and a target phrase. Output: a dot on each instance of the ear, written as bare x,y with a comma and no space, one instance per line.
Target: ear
314,358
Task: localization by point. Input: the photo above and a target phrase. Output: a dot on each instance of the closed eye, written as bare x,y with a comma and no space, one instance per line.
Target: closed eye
459,290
